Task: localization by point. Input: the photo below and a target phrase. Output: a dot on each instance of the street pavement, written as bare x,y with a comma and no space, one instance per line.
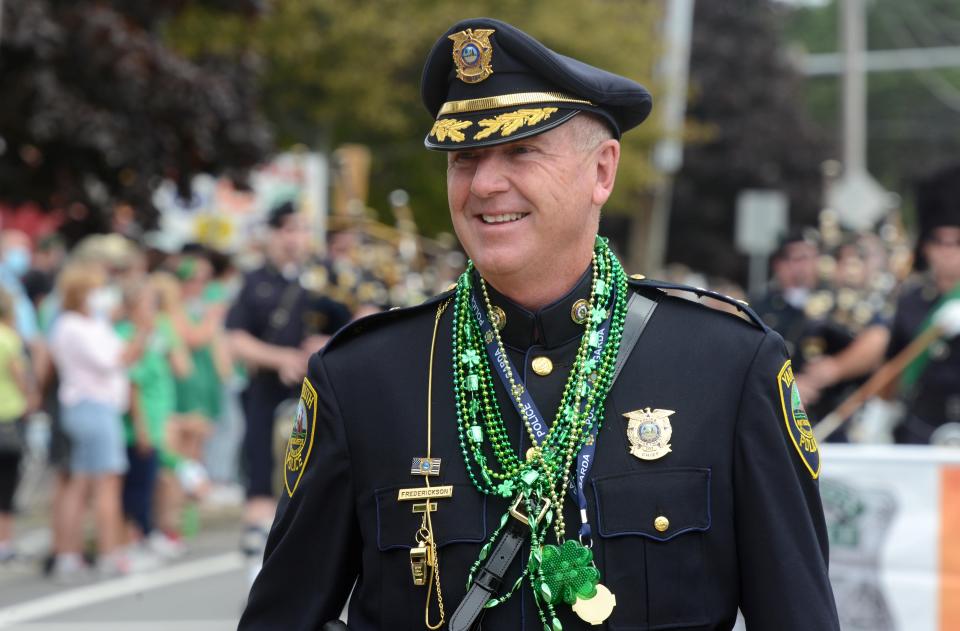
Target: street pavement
203,590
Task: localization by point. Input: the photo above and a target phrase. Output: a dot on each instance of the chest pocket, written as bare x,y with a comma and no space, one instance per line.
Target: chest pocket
650,525
460,527
458,519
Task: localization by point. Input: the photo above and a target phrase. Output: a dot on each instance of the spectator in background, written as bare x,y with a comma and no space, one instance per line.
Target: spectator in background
13,405
91,361
152,401
15,253
167,539
47,259
222,448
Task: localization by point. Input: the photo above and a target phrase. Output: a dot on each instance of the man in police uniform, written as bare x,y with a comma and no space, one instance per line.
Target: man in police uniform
274,325
695,490
930,386
795,279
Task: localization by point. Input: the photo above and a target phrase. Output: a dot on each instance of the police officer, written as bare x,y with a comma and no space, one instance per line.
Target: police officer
274,325
795,281
549,444
929,385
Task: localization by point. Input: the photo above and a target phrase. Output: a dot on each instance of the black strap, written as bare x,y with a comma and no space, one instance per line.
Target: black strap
487,580
639,310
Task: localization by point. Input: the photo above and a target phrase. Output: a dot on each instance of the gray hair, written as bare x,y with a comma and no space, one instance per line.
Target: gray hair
589,130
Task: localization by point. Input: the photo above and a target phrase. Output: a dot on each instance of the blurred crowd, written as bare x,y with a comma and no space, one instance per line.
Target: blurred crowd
162,378
869,319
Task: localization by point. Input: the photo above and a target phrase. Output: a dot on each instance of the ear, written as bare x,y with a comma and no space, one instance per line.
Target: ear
608,158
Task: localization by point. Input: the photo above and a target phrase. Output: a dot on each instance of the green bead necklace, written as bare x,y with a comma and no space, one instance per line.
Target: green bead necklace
565,571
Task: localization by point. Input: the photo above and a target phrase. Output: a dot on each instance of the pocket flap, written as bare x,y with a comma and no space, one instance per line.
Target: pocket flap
458,519
656,504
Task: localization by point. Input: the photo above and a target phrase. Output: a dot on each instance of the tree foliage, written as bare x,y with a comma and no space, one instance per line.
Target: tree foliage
335,72
97,109
745,91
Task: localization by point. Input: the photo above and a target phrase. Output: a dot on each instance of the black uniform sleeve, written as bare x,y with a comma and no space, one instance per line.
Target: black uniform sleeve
240,315
781,533
312,555
900,335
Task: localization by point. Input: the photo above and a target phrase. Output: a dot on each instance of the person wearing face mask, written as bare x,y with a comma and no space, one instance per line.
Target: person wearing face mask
795,278
15,255
91,360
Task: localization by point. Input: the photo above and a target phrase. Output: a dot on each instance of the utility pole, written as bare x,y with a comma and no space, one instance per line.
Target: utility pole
857,198
854,86
648,231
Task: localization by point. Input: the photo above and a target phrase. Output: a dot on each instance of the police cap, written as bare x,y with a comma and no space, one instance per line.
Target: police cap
487,82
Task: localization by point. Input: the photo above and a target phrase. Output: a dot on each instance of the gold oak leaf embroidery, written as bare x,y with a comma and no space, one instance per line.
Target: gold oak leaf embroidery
510,122
450,127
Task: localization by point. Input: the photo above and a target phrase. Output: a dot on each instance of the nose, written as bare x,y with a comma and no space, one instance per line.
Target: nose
489,176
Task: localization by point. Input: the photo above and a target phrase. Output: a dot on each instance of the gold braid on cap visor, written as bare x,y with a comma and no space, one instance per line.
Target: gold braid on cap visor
507,100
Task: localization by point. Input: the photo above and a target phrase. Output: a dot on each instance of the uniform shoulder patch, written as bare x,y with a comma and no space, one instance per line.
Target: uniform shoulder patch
798,425
301,438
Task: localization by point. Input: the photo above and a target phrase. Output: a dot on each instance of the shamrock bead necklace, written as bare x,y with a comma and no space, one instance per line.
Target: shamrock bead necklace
563,571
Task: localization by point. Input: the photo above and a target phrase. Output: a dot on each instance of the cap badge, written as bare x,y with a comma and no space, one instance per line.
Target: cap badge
472,52
649,433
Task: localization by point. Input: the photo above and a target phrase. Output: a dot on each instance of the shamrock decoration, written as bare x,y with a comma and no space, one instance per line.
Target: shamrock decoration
568,573
470,358
589,364
598,314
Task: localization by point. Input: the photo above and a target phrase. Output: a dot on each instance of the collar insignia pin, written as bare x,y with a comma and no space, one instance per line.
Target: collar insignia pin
498,318
580,311
472,51
649,433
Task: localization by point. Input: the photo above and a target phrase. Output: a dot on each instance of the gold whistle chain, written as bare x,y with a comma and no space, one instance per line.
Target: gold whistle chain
427,518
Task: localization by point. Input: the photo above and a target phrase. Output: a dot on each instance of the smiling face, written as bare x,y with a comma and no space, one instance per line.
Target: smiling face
529,209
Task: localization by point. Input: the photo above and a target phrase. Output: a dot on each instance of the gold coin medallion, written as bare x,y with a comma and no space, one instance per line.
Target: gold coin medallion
597,609
542,366
532,454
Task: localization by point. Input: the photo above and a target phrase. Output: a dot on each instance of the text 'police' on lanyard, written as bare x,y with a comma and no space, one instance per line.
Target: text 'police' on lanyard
528,410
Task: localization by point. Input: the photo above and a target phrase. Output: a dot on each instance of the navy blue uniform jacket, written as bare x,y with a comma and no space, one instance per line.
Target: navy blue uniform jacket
746,526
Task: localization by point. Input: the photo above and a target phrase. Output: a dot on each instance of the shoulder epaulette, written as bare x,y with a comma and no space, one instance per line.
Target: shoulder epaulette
377,320
641,281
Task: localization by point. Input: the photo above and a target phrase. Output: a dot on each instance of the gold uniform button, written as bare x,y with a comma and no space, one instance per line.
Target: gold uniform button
661,523
542,366
637,276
